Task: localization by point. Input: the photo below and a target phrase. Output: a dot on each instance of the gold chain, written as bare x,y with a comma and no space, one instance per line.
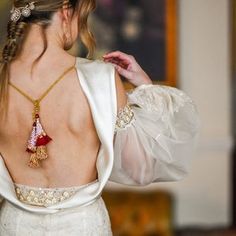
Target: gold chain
37,101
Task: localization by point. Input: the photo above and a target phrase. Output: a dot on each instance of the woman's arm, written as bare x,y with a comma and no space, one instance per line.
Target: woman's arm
120,91
127,66
156,130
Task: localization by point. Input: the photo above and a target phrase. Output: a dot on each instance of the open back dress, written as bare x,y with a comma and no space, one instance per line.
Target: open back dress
150,140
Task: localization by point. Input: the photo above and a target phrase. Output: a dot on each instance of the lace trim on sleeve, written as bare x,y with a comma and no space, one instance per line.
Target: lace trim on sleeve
160,98
125,117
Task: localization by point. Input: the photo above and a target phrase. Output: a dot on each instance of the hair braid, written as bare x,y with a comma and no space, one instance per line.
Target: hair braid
15,34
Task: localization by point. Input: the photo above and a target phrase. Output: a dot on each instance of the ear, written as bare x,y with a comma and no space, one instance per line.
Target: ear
65,15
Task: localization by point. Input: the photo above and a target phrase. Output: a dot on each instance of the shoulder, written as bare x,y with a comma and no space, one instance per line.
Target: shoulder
95,68
97,76
100,74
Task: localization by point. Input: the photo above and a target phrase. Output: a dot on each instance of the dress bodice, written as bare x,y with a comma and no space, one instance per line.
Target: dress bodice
150,140
98,84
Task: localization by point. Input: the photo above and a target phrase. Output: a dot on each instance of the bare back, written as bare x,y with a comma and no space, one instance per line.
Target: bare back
65,115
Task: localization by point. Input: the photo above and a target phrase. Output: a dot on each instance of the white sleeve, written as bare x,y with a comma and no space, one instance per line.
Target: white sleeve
155,136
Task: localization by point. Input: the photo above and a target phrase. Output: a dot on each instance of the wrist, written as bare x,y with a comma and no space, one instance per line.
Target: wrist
147,80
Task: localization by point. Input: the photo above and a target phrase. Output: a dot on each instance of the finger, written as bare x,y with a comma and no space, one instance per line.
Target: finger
120,55
123,64
114,53
125,73
117,60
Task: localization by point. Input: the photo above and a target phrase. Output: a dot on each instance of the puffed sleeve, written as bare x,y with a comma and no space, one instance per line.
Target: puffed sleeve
155,136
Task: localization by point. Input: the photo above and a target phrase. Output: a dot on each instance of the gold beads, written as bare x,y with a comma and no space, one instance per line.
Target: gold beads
33,161
42,196
124,117
36,108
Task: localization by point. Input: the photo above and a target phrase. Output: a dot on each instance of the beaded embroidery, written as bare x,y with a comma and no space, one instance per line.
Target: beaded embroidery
45,196
42,197
124,118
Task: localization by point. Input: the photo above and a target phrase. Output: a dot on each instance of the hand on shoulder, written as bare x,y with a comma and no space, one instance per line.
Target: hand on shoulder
127,66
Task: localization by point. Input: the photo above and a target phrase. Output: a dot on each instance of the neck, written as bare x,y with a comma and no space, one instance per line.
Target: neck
35,43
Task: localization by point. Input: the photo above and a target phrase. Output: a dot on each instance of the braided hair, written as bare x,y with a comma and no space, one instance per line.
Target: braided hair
42,15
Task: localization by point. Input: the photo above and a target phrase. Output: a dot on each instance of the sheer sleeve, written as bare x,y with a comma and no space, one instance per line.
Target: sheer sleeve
155,135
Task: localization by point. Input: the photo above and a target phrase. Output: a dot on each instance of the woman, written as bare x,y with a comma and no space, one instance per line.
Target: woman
68,126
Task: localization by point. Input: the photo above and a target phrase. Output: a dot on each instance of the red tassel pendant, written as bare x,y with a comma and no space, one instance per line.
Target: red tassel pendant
37,141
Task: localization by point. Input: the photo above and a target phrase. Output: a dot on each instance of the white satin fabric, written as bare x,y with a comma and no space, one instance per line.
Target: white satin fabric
156,146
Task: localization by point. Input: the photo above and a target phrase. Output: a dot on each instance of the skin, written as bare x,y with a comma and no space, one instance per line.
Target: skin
127,66
65,113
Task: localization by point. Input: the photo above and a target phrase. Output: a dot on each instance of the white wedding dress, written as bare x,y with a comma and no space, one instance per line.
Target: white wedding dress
150,140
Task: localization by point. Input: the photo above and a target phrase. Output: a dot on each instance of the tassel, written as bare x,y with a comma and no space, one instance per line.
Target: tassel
37,144
31,147
42,137
41,153
33,162
43,140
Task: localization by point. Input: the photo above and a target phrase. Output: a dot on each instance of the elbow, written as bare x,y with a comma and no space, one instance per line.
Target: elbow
143,182
144,178
177,174
171,173
181,175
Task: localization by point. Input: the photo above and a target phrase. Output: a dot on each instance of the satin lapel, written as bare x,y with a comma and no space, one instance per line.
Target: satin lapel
99,89
6,182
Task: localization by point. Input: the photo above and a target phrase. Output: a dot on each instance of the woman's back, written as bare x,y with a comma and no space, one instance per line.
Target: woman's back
66,117
39,33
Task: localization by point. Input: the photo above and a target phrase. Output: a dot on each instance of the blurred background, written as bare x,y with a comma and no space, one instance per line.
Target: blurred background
190,44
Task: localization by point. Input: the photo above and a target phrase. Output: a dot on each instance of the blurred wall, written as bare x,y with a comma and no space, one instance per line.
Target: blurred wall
203,198
205,74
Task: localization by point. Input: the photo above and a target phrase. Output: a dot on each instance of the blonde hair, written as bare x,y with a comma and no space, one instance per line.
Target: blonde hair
41,14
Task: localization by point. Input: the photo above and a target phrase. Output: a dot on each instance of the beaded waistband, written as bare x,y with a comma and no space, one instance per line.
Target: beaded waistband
46,196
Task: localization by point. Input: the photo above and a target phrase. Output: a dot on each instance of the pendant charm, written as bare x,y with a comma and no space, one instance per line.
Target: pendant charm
36,144
37,141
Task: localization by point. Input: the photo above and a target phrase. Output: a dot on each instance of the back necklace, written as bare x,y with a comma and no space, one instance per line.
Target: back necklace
38,139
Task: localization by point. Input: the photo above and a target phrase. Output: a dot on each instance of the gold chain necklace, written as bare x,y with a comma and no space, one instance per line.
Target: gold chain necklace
38,139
